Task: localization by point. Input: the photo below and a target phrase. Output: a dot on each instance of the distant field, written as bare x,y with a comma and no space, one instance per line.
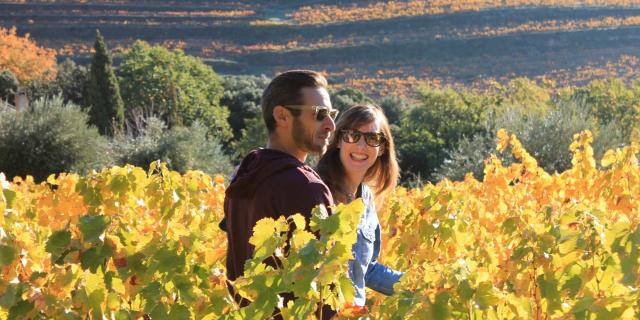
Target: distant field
377,46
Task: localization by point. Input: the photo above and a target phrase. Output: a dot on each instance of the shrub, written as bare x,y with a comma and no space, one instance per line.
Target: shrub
609,100
182,148
345,98
242,97
467,156
546,136
71,82
49,137
443,117
539,114
8,86
526,94
394,108
252,136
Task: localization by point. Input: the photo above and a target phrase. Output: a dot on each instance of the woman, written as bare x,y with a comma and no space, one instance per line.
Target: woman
360,162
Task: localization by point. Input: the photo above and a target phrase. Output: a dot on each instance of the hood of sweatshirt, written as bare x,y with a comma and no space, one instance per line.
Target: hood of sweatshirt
255,168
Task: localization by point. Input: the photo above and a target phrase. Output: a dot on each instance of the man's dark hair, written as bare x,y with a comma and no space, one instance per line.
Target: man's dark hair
286,89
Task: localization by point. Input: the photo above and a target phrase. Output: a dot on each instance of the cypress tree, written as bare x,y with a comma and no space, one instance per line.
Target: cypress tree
106,106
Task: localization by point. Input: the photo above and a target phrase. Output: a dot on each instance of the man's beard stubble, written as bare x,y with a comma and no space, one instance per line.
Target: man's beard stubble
304,141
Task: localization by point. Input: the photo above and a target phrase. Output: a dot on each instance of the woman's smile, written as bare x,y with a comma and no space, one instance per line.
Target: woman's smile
359,156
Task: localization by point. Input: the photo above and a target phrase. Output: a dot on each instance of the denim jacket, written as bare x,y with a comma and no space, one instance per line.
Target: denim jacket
364,270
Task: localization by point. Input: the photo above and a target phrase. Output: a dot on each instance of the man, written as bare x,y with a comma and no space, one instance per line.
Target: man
275,181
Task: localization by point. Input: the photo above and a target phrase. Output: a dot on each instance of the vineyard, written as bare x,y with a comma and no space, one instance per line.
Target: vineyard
376,43
521,244
322,14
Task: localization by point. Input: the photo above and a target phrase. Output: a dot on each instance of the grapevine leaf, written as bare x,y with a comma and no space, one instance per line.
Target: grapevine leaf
309,254
568,245
118,286
169,260
265,237
520,252
350,216
348,291
37,275
10,197
93,282
485,295
184,285
90,194
8,297
123,315
509,225
303,279
301,308
94,291
338,253
549,290
20,309
405,301
583,304
58,243
321,221
151,295
7,255
573,285
92,227
119,184
300,238
299,221
441,306
179,312
95,257
113,301
465,291
159,311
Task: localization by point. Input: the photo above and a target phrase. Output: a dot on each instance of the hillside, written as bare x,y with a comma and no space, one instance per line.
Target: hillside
373,45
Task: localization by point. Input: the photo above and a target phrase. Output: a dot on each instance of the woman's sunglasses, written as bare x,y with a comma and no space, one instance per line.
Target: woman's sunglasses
372,139
320,112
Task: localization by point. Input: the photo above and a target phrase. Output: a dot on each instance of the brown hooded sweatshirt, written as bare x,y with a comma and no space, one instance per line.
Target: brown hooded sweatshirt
268,183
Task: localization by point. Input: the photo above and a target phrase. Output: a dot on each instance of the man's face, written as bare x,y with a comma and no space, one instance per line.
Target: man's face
309,134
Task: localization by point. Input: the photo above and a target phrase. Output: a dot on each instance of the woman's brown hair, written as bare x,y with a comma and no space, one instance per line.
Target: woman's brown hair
383,174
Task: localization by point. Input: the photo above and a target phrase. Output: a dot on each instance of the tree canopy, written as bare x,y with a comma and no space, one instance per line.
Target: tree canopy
242,97
436,125
106,109
24,58
177,88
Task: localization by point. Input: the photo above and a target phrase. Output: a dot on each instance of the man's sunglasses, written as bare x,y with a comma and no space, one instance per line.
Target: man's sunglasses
320,112
373,139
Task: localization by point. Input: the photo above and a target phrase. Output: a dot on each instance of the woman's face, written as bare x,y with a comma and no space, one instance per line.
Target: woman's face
358,157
